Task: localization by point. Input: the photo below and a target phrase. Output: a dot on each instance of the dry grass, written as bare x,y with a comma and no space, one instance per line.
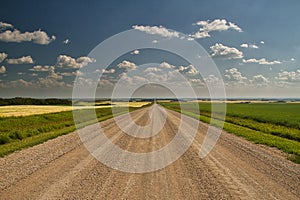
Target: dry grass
26,110
131,104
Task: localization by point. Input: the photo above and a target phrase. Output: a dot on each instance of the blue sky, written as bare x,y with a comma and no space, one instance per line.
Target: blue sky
255,44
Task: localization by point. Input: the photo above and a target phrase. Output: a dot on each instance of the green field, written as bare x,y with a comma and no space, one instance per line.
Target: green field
24,131
273,124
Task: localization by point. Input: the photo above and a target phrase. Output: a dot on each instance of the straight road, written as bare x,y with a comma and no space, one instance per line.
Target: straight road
62,168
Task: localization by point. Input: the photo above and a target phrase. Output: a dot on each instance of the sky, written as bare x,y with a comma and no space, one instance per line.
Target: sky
45,45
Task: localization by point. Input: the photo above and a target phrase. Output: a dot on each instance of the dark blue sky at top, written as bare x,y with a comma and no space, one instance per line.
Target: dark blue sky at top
87,23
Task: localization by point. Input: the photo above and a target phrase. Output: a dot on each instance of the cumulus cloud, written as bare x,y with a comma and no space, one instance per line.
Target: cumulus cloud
157,30
69,62
4,25
211,80
260,79
199,35
38,37
22,60
75,73
166,65
262,42
188,70
39,68
19,83
196,82
2,56
215,25
244,45
221,51
110,71
135,52
66,41
153,69
2,70
289,76
261,61
251,46
127,65
234,75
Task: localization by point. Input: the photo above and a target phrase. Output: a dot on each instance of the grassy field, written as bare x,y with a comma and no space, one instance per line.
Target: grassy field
273,124
26,110
20,132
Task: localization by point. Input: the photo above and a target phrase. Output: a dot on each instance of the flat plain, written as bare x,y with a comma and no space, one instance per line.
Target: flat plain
62,168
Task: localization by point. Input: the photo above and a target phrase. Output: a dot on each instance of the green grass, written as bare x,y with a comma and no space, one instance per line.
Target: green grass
263,123
17,133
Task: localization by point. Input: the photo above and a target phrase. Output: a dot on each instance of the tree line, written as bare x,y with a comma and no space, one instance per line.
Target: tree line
31,101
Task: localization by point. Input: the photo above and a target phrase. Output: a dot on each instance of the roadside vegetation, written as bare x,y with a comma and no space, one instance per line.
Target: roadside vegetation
24,131
273,124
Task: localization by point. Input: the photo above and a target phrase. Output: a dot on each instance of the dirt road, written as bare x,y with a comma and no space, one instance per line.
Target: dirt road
62,168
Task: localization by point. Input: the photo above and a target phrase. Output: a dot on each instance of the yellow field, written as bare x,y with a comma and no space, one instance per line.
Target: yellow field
25,110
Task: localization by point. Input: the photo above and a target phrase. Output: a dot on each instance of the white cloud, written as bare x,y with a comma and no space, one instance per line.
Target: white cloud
154,41
152,69
234,75
66,41
75,73
4,25
260,79
38,37
216,25
22,60
111,71
69,62
291,76
196,82
244,45
132,79
166,65
261,61
2,70
211,80
262,42
157,30
188,70
135,52
2,56
222,51
252,46
39,68
200,35
19,83
34,75
127,65
292,59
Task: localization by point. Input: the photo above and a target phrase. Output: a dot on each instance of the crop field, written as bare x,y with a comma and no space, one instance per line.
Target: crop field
18,132
26,110
273,124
